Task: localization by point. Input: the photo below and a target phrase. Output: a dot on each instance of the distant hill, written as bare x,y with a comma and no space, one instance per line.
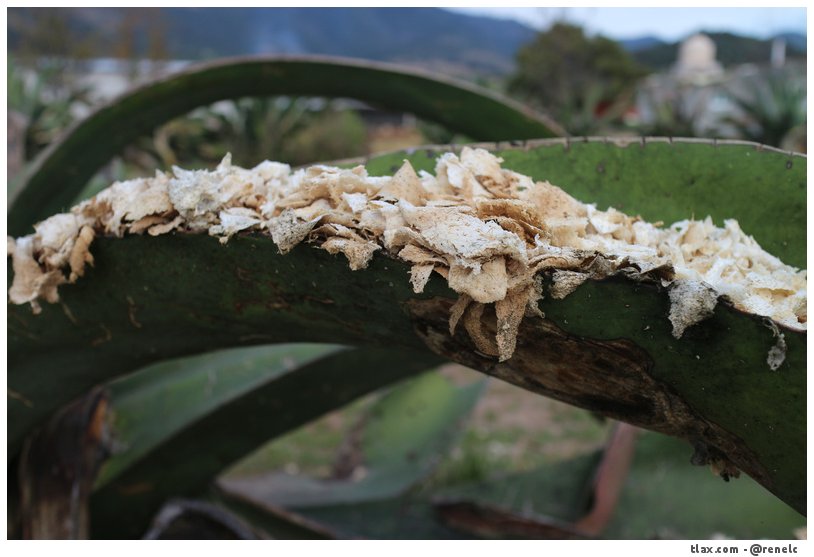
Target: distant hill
731,50
641,43
430,37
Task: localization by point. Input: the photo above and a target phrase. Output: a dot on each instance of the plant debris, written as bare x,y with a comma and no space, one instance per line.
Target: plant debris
487,230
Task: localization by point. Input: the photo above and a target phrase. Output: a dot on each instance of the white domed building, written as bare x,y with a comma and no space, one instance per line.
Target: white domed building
696,60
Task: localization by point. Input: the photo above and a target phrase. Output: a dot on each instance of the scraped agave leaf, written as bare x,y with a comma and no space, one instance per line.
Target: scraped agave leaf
608,345
487,229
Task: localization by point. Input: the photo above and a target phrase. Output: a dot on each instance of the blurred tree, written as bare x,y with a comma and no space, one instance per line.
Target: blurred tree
48,34
580,81
157,49
50,45
772,108
125,46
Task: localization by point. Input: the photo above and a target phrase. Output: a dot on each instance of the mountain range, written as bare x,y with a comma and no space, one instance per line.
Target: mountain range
432,38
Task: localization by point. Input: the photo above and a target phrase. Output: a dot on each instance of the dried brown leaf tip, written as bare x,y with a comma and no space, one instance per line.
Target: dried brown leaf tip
487,230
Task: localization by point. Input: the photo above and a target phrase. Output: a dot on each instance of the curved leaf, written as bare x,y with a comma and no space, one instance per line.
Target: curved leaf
150,407
654,504
268,393
606,347
404,436
53,180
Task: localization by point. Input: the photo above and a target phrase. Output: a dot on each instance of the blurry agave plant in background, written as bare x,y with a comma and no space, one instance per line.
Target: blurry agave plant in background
295,130
675,116
772,109
291,129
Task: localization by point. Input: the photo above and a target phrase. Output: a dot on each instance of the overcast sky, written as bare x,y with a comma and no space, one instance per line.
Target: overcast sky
665,23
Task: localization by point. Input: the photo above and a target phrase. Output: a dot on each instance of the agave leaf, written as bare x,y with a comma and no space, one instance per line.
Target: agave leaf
558,490
184,422
403,437
277,523
607,347
54,179
152,406
188,519
404,517
655,502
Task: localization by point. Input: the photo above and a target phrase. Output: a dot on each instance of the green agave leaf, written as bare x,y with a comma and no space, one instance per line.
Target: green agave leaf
655,501
157,403
276,523
191,519
555,491
54,179
404,436
607,347
184,422
404,517
202,297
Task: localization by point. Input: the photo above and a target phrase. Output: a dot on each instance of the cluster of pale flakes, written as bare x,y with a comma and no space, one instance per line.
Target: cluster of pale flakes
488,231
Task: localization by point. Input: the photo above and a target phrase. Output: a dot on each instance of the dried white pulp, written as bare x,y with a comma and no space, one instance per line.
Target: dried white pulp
488,231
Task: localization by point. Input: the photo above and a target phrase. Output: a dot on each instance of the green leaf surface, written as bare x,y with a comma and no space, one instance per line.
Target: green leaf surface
405,434
157,403
765,190
555,491
218,409
276,523
656,501
407,517
729,383
202,297
61,171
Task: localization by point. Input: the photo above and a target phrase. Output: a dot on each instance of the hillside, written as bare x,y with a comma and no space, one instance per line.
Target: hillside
432,38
